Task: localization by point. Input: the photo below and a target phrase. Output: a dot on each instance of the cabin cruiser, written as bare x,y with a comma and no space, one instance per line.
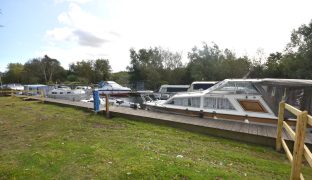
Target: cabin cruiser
67,94
16,87
254,100
35,89
112,88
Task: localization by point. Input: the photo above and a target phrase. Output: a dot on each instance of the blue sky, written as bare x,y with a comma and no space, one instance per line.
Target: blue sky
24,26
72,30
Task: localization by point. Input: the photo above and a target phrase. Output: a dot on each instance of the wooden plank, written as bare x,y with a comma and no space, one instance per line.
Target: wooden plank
299,144
292,109
236,127
244,128
288,153
262,131
308,155
213,123
253,129
271,131
289,130
226,125
281,111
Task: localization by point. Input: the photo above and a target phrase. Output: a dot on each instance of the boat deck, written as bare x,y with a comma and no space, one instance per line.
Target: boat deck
247,132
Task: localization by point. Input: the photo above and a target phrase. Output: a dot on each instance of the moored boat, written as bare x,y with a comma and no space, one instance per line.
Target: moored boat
112,88
249,100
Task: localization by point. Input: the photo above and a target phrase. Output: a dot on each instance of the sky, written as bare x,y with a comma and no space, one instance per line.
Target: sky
75,30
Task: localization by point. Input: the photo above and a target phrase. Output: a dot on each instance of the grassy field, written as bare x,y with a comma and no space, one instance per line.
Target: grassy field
42,141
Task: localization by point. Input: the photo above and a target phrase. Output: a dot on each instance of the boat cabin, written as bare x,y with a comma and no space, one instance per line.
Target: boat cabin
242,98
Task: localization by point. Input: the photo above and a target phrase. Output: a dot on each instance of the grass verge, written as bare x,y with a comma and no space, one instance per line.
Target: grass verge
45,141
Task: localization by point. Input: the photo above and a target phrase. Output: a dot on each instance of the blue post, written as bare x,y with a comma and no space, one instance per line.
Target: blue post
96,101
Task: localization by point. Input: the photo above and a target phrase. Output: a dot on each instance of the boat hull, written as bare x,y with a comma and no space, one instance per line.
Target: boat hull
209,115
114,93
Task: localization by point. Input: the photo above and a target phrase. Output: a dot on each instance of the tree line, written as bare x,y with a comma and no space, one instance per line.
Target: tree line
47,70
155,66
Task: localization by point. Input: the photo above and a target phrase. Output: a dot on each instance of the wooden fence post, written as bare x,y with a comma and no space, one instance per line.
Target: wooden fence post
42,96
281,111
107,106
299,144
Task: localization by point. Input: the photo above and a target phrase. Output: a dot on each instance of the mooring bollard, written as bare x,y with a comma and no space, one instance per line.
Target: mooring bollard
96,101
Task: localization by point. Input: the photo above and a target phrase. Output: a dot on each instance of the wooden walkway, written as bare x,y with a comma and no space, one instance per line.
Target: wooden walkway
247,132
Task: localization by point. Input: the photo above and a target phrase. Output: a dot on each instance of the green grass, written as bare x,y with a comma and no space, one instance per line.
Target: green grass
42,141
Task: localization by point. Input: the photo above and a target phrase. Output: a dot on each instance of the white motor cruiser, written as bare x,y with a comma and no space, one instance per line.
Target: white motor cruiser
246,100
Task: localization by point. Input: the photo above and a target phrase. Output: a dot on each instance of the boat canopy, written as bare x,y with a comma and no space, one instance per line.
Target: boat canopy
296,92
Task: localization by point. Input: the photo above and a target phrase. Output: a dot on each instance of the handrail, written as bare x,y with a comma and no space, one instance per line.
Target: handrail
292,109
289,130
300,149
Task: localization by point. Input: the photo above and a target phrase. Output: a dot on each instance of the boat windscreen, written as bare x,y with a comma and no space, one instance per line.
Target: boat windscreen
236,87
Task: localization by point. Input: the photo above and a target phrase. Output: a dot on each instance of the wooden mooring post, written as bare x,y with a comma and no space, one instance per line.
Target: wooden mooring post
107,106
281,111
299,144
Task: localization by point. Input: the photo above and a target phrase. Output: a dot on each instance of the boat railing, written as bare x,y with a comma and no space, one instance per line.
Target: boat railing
298,136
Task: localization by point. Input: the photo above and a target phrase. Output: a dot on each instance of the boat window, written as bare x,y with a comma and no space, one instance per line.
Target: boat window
61,92
195,102
176,89
236,87
188,102
54,93
217,103
68,92
202,86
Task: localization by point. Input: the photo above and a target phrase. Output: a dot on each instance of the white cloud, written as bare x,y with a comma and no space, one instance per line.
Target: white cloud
60,34
83,36
241,25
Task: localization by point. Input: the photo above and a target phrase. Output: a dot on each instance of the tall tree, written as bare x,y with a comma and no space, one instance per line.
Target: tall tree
43,70
14,73
300,48
102,70
32,72
90,71
49,66
153,66
121,77
212,63
83,70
